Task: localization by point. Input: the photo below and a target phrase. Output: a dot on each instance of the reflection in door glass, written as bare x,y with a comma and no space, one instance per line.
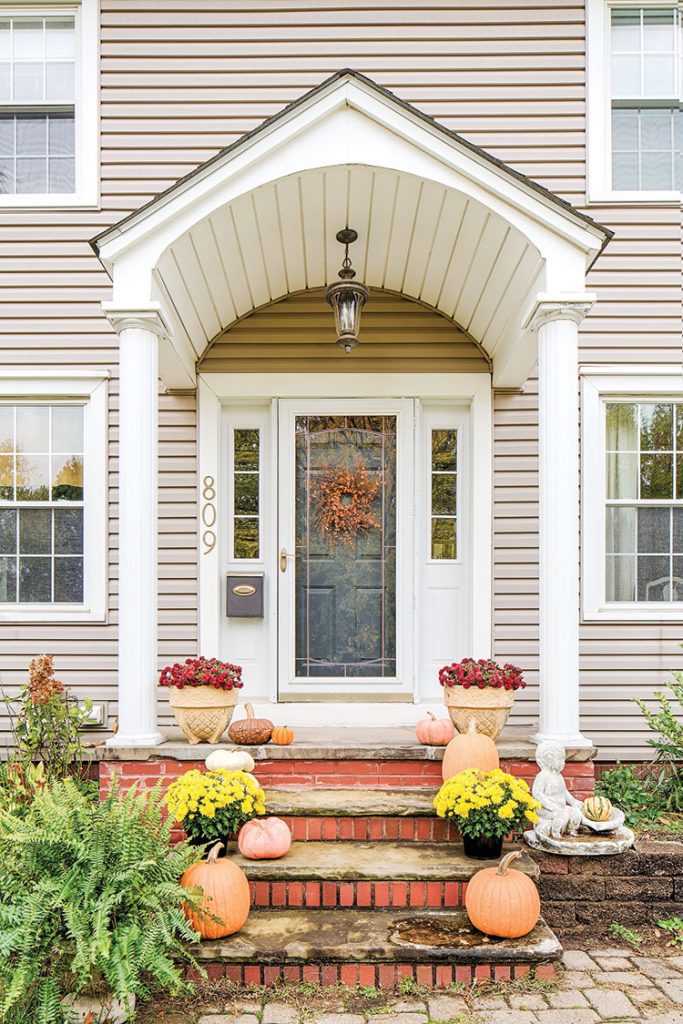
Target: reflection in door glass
444,508
345,559
246,456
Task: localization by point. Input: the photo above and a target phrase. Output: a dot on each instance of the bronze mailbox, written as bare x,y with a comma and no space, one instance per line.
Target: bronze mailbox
244,596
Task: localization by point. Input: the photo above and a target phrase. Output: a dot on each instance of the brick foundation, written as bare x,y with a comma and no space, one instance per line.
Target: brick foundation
357,895
377,975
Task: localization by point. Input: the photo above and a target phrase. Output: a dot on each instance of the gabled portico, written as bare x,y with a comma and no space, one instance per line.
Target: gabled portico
439,222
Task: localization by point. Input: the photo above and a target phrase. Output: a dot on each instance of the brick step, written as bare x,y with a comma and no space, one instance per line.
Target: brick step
347,875
377,947
352,814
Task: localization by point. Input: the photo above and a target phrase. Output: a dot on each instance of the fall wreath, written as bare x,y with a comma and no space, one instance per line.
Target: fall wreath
343,503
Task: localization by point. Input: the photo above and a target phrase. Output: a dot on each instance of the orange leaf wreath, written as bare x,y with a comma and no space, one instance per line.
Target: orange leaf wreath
343,503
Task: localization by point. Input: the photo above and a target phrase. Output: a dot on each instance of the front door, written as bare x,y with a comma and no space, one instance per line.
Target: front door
346,548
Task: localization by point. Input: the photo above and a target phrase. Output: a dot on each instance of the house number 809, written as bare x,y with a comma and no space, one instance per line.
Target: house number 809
208,513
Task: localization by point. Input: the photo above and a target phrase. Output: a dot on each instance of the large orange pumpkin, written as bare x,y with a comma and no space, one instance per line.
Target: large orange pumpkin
264,839
503,902
433,731
225,894
469,749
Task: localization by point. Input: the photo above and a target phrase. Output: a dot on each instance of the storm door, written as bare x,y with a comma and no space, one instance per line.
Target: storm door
345,559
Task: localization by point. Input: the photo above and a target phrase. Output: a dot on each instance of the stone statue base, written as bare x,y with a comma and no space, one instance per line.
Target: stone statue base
584,844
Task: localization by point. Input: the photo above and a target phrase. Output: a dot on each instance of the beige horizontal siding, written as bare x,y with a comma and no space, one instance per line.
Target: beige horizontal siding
181,79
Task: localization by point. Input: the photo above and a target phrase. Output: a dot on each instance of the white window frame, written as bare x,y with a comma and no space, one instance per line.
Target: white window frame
598,388
599,107
86,105
91,389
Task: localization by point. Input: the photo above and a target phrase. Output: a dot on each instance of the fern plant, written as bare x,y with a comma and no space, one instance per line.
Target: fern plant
91,901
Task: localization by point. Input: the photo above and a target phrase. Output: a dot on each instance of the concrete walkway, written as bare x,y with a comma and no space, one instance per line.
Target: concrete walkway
607,986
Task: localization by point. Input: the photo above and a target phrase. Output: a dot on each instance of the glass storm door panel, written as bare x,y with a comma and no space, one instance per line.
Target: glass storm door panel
341,490
345,546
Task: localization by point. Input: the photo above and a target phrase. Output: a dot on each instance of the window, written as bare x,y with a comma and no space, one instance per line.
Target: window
633,500
635,94
245,490
444,495
52,538
48,105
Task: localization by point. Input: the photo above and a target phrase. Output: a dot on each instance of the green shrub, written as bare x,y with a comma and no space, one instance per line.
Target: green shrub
627,790
91,901
666,780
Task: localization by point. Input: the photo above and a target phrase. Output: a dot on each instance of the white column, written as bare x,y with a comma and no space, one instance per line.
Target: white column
557,323
139,332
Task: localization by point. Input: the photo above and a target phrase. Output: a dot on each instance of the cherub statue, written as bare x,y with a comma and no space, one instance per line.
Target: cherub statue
560,812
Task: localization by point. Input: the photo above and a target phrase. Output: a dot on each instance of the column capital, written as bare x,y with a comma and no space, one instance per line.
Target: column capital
147,318
546,308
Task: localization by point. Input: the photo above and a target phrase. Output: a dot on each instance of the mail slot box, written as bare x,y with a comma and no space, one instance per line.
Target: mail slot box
245,596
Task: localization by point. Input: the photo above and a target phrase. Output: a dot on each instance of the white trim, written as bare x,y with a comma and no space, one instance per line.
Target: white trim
86,107
209,561
249,386
598,110
661,383
91,387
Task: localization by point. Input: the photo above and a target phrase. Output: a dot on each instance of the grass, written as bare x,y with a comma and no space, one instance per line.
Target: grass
628,935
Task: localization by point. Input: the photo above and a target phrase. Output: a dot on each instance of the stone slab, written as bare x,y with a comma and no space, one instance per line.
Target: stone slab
375,936
363,743
362,803
381,861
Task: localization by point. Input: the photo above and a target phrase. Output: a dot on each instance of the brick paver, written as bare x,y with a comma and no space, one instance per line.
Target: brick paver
646,989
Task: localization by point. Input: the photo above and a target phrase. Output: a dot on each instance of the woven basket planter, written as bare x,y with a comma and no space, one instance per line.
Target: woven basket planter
490,707
202,712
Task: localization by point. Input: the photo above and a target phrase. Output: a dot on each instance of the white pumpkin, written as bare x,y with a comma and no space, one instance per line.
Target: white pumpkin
230,761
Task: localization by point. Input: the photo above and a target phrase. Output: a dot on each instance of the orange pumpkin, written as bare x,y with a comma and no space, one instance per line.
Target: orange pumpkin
469,749
503,902
433,731
264,839
251,731
225,892
282,735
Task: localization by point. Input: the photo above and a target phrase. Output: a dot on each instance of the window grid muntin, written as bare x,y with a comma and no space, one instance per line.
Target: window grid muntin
238,517
52,503
436,517
642,100
29,107
671,504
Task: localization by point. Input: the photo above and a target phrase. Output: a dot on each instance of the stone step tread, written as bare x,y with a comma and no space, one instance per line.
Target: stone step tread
350,803
380,861
376,936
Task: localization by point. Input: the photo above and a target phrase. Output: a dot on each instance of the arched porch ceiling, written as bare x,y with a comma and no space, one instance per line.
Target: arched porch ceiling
439,221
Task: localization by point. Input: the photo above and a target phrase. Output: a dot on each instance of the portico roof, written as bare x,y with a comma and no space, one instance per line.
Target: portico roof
439,220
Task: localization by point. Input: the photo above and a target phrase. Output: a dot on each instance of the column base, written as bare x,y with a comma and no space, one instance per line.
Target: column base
149,739
573,740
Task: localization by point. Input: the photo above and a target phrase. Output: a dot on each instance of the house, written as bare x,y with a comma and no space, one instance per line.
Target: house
173,180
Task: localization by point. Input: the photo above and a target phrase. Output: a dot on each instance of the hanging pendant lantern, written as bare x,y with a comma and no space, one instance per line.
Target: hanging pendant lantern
347,297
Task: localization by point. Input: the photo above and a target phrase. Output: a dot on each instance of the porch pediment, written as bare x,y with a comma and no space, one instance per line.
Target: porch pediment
439,221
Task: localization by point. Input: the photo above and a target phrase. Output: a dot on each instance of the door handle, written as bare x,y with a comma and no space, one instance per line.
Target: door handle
283,559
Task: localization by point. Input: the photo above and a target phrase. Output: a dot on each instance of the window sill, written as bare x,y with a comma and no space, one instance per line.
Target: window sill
52,613
53,201
635,198
666,612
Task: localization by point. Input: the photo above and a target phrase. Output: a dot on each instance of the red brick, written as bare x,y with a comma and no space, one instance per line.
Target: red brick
252,975
262,894
329,974
387,976
435,894
349,974
438,828
382,896
315,828
312,973
405,971
295,894
451,896
329,830
300,829
482,972
233,972
346,894
463,893
417,894
329,894
399,894
424,828
346,828
463,974
312,894
360,828
521,970
391,828
444,975
214,971
546,971
424,974
271,974
376,828
363,894
405,829
278,894
367,975
502,972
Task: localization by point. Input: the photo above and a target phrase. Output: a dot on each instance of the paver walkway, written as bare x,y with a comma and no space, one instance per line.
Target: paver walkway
605,986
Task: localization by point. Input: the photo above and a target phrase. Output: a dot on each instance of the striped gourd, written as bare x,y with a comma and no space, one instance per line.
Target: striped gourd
597,808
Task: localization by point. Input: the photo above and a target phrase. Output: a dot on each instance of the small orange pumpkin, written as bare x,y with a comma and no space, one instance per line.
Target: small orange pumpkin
501,902
264,839
250,731
282,735
225,895
433,731
469,749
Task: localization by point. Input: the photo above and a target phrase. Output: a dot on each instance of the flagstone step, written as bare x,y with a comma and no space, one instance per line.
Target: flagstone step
347,875
353,814
377,947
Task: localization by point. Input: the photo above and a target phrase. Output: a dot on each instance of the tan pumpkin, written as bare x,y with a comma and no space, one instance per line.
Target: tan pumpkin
282,735
225,895
264,839
503,902
469,749
597,808
250,731
433,731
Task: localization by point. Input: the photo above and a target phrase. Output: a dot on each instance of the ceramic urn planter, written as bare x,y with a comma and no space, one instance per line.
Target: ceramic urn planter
203,712
489,707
